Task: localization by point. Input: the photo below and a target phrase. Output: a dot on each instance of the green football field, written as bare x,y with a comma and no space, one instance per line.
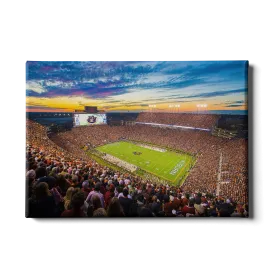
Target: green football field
168,165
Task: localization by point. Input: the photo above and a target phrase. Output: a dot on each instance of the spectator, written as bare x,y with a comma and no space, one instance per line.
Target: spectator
68,198
125,202
212,212
115,209
86,188
155,205
31,175
168,206
199,210
40,172
189,209
62,183
59,201
145,212
42,204
100,212
109,195
75,181
95,204
96,191
77,206
137,205
238,211
223,213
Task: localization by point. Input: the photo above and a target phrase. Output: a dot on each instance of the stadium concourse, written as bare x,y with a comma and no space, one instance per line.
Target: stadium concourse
62,180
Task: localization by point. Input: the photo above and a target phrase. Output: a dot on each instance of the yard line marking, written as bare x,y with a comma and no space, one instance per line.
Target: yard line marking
188,162
167,165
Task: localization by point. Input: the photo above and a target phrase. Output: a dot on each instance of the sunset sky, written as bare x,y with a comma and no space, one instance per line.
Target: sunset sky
135,86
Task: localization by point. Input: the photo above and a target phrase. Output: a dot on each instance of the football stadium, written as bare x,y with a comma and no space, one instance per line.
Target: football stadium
125,157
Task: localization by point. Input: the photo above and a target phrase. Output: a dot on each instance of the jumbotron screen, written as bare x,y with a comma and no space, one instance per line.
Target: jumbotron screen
89,119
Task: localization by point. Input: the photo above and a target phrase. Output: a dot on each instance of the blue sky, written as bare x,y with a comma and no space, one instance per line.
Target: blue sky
135,86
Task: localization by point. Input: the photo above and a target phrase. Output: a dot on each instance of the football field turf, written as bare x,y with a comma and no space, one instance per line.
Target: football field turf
168,165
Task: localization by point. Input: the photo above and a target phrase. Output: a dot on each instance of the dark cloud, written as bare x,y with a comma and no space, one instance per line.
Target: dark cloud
31,103
234,105
31,93
114,101
215,93
217,67
109,107
42,108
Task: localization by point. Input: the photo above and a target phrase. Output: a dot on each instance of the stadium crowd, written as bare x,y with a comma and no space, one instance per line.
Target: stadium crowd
62,181
208,150
191,120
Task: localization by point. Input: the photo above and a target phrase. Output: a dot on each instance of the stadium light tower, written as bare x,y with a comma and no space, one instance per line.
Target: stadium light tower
198,106
152,107
173,107
204,106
